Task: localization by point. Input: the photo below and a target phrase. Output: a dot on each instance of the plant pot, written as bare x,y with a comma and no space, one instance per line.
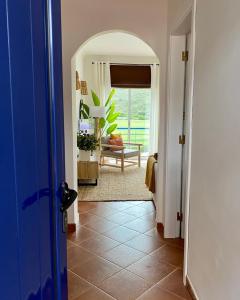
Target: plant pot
84,155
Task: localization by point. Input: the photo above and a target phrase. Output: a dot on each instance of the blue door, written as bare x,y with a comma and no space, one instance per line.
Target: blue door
33,241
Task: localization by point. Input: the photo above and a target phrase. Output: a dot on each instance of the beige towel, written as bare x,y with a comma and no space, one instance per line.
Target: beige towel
150,174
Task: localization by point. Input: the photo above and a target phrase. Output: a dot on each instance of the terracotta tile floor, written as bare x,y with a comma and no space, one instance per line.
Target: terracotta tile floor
118,253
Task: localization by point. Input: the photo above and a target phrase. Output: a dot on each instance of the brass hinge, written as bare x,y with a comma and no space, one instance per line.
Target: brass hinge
185,56
182,139
179,216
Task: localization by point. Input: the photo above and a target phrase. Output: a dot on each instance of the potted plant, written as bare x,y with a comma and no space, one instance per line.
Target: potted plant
86,144
107,125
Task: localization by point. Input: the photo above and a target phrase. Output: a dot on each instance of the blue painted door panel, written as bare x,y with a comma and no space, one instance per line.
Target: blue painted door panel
57,117
33,251
8,223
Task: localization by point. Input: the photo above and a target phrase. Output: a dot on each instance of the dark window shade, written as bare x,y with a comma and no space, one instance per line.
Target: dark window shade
130,76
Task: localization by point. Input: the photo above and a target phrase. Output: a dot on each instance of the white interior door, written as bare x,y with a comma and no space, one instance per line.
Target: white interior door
186,132
174,130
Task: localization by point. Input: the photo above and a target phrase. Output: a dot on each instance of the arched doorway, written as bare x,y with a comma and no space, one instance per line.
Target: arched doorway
117,48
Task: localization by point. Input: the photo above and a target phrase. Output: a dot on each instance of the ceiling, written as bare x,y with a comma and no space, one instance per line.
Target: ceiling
117,43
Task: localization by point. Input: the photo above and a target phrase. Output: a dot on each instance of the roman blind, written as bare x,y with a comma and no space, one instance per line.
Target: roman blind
130,76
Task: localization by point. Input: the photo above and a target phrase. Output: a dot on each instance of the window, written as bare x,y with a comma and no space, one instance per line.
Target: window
134,122
130,76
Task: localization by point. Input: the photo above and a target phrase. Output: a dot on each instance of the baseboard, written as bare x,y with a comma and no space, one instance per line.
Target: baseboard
71,227
191,289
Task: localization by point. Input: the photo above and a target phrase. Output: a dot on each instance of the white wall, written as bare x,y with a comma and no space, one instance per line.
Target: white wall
82,19
177,11
214,243
214,240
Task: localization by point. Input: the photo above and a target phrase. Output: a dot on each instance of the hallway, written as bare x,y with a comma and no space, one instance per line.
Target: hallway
117,253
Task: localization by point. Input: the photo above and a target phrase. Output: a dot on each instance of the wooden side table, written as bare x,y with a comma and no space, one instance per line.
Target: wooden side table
88,170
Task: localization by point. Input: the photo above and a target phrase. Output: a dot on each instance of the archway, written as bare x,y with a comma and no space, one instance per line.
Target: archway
141,48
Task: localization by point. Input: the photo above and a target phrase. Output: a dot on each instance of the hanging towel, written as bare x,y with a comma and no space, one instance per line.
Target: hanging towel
150,174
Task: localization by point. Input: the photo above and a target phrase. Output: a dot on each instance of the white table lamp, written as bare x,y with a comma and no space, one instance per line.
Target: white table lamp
97,111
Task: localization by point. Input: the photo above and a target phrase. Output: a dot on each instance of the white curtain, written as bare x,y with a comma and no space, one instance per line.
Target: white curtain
102,81
155,104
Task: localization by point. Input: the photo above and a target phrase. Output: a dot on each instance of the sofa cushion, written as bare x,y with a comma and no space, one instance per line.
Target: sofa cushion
115,136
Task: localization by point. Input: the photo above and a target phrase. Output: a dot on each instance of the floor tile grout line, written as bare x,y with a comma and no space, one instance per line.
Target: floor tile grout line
146,254
94,285
82,280
168,275
153,284
124,243
103,258
165,243
117,211
114,227
109,207
103,233
130,215
124,269
170,292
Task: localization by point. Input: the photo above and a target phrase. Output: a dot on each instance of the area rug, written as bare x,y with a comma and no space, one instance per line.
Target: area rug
116,185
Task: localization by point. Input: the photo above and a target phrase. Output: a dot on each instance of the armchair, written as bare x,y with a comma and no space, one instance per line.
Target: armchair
120,153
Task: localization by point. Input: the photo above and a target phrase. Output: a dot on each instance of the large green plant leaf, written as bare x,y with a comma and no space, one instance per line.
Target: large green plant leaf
111,110
112,93
107,111
102,123
95,98
86,108
113,117
111,128
84,114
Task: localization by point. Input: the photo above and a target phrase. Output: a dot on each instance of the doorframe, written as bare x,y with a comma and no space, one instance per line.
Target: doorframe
168,216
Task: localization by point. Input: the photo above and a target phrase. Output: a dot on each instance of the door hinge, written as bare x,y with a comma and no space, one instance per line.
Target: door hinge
179,216
182,139
185,56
